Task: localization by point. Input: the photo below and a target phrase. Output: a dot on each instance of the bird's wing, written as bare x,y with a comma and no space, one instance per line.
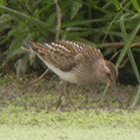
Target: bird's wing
59,55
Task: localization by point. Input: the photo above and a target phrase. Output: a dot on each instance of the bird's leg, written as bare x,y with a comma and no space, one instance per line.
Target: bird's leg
65,92
59,100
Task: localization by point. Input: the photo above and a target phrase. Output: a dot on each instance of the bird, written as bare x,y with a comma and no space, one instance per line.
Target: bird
74,62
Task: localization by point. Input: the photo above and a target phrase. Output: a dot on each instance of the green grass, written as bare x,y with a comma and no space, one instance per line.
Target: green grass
82,118
28,132
26,114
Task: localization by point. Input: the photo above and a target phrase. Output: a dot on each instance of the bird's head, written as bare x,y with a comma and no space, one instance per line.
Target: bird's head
107,71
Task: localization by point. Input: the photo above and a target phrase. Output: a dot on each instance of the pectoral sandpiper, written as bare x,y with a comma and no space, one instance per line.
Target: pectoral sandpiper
74,62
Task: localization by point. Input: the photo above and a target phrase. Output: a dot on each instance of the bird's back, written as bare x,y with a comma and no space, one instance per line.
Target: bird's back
63,55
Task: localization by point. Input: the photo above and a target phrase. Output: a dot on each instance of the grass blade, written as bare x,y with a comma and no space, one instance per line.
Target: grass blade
134,65
130,55
23,16
136,98
117,4
136,5
128,43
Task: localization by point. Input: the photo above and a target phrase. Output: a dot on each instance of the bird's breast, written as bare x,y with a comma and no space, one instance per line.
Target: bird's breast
65,75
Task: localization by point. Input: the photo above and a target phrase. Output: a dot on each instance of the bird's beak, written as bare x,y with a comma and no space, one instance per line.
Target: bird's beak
113,86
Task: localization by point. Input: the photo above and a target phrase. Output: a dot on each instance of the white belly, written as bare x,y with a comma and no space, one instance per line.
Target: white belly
66,76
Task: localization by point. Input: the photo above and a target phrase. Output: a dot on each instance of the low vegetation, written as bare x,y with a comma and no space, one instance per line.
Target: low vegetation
31,109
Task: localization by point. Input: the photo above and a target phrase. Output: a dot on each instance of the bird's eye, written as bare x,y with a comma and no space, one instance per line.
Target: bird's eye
108,74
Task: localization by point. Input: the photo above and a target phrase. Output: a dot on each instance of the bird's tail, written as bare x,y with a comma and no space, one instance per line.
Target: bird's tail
30,46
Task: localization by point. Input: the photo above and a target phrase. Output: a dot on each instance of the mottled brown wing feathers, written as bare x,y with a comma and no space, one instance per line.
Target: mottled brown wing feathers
64,55
86,50
55,54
